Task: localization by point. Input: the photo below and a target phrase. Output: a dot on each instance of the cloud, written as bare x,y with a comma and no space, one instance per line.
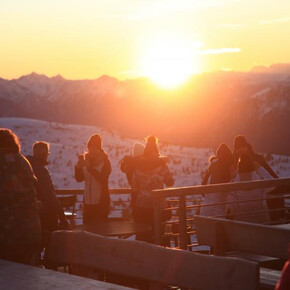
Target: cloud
233,25
271,21
220,50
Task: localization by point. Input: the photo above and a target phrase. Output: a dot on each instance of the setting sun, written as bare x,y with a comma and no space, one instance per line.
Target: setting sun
169,63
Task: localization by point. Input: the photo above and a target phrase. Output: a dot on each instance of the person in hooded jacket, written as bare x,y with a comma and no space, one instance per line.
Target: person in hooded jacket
150,172
19,219
219,171
94,169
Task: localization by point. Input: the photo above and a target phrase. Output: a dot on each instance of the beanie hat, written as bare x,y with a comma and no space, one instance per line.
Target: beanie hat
138,149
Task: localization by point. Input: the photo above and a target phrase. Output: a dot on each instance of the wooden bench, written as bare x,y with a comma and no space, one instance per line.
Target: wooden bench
158,265
226,236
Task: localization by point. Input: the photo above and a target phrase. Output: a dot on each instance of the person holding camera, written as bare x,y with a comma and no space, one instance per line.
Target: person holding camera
94,169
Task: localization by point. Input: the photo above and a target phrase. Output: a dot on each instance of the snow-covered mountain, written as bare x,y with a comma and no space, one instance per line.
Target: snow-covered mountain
67,141
212,108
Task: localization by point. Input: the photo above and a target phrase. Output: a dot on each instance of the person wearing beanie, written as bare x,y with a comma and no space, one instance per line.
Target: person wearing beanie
150,172
94,169
138,149
221,170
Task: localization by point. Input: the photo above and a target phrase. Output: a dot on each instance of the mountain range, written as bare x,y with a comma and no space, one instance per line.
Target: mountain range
210,109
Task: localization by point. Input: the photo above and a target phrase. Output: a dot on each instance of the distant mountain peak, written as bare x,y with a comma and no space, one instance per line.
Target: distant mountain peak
279,68
58,78
34,76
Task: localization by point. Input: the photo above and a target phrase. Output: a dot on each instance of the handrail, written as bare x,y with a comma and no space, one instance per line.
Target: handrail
182,192
222,187
81,191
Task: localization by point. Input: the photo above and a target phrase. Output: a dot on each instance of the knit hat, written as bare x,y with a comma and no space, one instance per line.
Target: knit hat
95,141
138,149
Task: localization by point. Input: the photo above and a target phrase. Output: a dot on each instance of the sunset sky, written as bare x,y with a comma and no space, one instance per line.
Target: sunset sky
131,38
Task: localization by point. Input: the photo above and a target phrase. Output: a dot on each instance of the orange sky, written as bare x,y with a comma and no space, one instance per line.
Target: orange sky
127,38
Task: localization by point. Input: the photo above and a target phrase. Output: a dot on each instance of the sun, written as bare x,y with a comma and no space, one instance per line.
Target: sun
169,63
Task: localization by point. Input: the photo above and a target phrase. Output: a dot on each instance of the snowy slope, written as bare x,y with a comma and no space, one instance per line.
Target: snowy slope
67,141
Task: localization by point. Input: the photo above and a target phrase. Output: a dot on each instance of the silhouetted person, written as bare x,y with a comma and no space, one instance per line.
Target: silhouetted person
249,170
51,211
128,166
151,172
19,219
94,168
219,171
242,146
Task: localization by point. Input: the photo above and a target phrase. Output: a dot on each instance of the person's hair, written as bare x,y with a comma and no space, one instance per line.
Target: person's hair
151,148
40,147
245,164
9,141
240,141
225,154
95,141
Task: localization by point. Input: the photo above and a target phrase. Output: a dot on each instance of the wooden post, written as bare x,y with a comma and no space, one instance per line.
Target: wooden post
182,223
157,222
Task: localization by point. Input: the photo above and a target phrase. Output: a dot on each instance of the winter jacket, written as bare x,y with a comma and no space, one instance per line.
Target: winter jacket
51,208
216,173
96,174
259,205
19,219
150,173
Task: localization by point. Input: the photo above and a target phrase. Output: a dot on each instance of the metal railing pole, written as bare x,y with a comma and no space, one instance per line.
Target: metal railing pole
157,222
182,223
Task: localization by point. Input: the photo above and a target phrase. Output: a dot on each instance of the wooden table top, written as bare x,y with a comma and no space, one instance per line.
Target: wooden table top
14,276
282,226
114,228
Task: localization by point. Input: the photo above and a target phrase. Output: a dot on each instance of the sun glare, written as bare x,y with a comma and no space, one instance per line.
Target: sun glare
169,63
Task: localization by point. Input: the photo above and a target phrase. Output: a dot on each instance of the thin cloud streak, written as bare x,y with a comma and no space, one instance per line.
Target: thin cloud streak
233,25
220,50
279,20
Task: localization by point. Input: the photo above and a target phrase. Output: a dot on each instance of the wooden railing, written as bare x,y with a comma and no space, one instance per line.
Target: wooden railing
181,194
113,191
179,199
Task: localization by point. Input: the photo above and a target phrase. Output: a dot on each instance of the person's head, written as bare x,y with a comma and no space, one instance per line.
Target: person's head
245,164
151,149
137,150
241,146
225,154
94,143
9,141
41,150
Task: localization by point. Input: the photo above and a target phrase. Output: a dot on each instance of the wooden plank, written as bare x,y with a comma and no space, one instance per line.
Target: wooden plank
153,263
269,278
241,236
81,191
222,187
15,276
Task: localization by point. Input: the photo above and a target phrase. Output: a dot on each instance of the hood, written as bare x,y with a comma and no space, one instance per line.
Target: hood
36,161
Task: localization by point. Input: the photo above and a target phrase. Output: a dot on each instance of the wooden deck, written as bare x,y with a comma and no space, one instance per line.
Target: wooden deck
15,276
